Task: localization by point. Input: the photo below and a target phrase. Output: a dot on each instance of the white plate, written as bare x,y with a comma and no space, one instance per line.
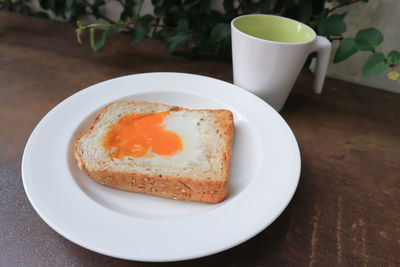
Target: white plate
265,169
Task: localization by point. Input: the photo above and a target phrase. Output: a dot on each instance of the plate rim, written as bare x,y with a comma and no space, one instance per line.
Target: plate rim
221,248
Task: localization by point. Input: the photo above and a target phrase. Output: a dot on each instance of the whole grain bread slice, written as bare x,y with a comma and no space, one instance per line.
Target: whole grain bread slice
201,178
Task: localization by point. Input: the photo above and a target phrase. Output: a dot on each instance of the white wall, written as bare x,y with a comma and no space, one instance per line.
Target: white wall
383,15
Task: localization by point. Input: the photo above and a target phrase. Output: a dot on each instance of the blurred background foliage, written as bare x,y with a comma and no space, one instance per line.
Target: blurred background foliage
196,25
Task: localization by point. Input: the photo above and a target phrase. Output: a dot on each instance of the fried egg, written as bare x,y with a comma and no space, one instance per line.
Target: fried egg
168,137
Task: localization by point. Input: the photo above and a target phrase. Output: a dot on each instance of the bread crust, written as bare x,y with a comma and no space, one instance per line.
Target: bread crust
176,187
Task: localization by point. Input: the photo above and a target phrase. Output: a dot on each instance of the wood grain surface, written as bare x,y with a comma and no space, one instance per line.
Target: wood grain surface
346,210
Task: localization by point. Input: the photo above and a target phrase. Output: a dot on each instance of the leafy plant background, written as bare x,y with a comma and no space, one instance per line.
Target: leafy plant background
194,24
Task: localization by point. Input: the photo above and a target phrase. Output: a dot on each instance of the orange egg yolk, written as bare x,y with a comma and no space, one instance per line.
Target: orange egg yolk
134,135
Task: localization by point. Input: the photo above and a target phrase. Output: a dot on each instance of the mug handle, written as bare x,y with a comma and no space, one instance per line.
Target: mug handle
323,48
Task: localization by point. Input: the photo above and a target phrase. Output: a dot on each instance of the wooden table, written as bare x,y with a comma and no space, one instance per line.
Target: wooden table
346,210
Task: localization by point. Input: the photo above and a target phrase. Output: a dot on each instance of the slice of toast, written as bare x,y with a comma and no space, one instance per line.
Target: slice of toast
199,171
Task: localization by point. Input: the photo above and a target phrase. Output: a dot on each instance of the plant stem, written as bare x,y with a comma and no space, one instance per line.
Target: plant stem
126,24
330,38
155,25
96,25
100,15
342,5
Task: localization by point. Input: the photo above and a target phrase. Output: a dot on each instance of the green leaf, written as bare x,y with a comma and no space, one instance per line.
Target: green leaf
140,7
173,17
305,10
189,2
226,48
278,6
68,13
228,6
69,10
201,46
220,32
177,40
59,7
323,14
160,34
146,18
213,19
332,25
205,6
346,49
98,3
249,7
307,64
139,32
183,25
264,6
197,24
80,9
95,7
159,11
290,12
70,3
99,44
128,10
46,4
21,8
193,12
289,3
136,18
393,58
72,11
374,64
41,14
368,39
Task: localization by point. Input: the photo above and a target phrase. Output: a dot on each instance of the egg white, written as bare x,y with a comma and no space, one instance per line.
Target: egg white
186,128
